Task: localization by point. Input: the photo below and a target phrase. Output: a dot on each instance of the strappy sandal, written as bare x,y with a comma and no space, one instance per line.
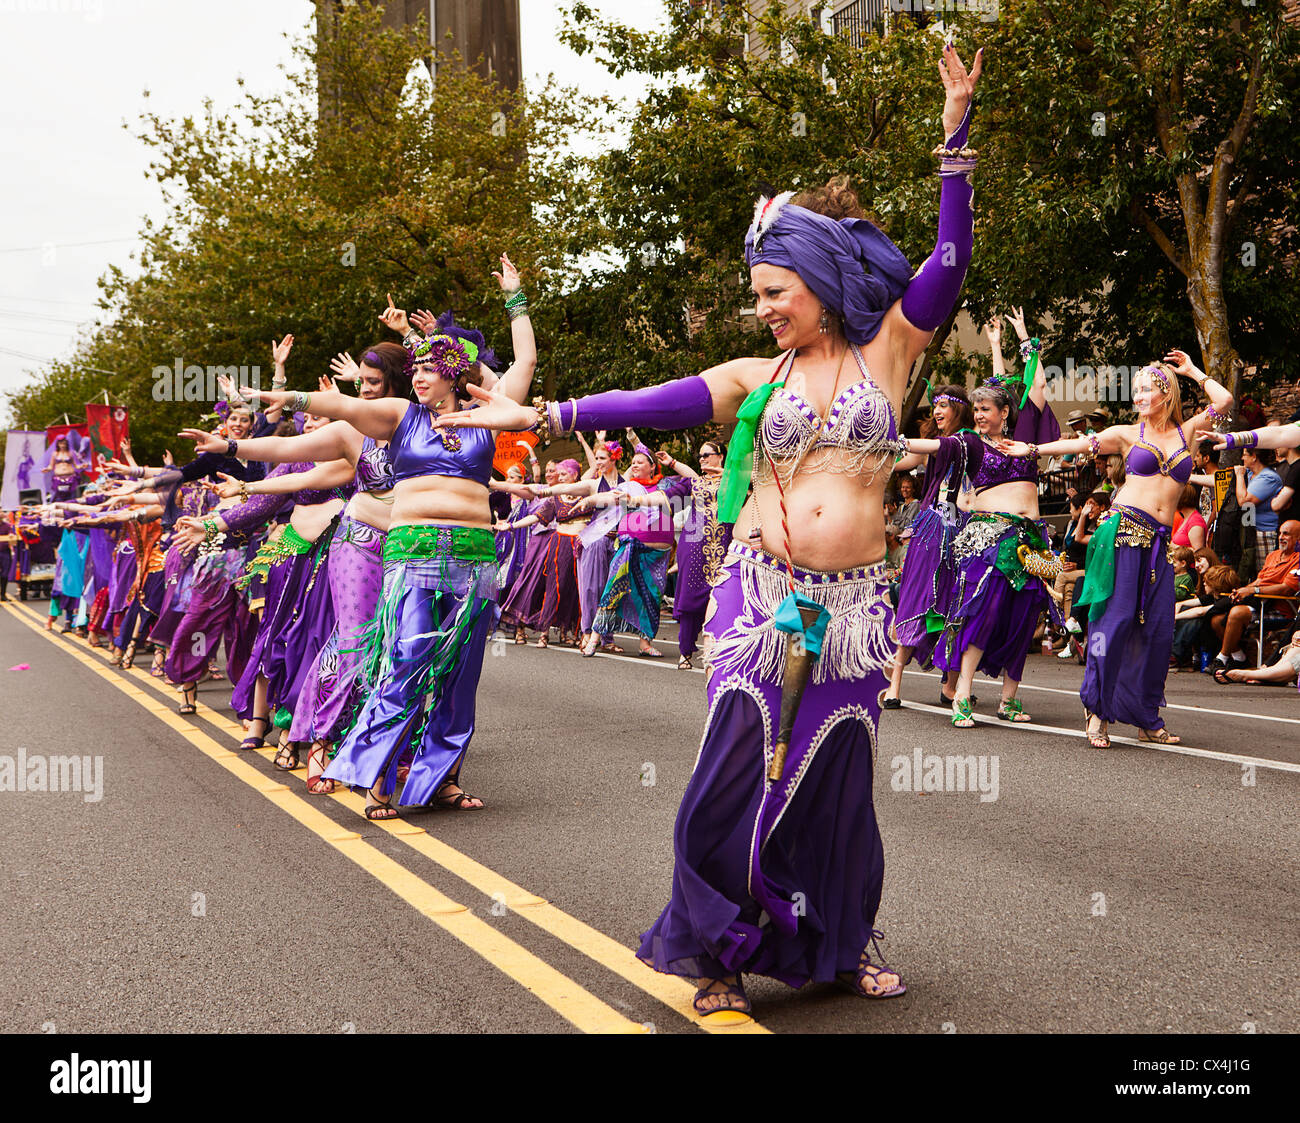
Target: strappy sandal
190,705
158,668
1098,740
1162,736
456,801
374,811
520,637
116,659
653,653
287,759
128,657
318,784
684,663
250,742
869,973
544,640
737,1001
961,715
611,647
1012,710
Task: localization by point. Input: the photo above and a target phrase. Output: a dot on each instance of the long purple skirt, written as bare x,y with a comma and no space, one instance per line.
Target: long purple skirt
331,689
1129,644
212,618
593,574
523,601
305,635
989,613
780,879
927,581
560,599
284,576
178,578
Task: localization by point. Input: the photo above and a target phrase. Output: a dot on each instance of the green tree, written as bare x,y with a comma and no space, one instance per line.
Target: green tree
282,220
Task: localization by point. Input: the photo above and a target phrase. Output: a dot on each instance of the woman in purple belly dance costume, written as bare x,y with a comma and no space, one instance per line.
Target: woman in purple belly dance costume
1001,555
437,605
782,876
330,690
1128,583
927,578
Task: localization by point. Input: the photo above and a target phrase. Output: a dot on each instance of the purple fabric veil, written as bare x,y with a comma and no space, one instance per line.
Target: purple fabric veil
852,266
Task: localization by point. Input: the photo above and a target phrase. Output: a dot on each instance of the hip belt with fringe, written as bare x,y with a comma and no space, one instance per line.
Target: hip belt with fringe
1023,550
856,641
1122,526
282,543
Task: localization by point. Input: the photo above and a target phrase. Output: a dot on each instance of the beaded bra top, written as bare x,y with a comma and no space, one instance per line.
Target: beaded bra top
374,468
860,436
996,467
1145,459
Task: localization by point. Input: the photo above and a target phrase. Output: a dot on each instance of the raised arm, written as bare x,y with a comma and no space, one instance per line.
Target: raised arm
1220,397
517,381
933,291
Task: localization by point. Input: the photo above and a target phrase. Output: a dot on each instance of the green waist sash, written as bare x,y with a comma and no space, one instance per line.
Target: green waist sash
1027,533
418,543
272,552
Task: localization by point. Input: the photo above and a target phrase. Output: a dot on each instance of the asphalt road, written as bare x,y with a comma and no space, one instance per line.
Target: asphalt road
1134,889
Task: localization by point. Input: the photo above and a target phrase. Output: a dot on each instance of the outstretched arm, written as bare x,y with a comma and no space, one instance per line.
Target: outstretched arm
329,442
375,417
1271,436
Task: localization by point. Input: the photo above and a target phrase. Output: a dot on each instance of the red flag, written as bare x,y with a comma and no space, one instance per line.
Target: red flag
108,427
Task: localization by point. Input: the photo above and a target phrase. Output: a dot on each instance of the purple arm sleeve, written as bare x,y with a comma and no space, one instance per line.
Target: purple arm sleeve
682,404
675,487
1037,426
933,292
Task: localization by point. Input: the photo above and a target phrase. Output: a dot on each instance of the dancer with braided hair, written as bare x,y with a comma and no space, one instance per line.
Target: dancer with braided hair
779,865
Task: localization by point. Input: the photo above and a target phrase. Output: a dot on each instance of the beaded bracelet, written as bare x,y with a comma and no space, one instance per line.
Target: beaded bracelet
232,449
1094,443
298,402
517,304
1213,414
542,426
956,161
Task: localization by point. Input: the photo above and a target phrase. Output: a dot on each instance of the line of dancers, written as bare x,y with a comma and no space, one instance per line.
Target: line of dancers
396,552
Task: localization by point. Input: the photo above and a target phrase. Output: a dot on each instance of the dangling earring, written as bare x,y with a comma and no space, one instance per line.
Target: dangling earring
825,324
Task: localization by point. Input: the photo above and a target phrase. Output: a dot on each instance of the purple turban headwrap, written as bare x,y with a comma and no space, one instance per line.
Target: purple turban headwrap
849,263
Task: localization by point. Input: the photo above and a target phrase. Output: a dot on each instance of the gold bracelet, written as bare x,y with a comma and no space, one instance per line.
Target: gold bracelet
542,426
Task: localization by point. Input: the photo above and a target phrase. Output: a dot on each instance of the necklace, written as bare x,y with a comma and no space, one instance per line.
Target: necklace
449,437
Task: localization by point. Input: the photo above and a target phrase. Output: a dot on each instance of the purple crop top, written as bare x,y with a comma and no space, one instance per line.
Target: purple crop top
986,467
374,468
418,449
1144,459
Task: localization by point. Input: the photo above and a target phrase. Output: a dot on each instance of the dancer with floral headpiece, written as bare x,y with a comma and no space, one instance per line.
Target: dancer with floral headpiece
437,605
1128,583
779,864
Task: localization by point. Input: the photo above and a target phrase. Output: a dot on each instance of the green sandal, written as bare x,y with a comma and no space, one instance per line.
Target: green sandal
1012,711
961,715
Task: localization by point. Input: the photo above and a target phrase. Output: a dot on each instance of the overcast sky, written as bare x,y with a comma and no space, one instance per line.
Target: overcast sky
74,190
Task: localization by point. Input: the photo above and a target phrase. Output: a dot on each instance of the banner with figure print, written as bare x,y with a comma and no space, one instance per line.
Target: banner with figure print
108,427
24,451
77,454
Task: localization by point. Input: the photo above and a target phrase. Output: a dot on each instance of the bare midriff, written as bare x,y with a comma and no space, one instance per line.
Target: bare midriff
310,522
374,508
441,501
1156,495
1018,497
836,521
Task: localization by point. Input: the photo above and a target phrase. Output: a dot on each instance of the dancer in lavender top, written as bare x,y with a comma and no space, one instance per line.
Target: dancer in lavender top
779,864
1128,584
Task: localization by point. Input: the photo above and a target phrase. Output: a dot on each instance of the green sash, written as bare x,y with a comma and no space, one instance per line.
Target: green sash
740,453
1099,569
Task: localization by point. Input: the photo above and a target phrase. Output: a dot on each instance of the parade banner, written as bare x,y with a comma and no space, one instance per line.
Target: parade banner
108,427
511,450
24,451
78,444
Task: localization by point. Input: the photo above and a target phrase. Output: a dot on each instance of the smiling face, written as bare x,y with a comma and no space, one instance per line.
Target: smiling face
603,463
515,474
641,469
786,305
1202,564
430,387
566,475
906,488
989,417
1147,399
551,473
239,424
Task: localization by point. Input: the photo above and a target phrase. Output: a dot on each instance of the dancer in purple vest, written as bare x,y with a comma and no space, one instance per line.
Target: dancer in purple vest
928,577
1128,584
779,864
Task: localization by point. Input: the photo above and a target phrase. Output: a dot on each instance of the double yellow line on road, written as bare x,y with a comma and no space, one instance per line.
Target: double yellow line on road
567,998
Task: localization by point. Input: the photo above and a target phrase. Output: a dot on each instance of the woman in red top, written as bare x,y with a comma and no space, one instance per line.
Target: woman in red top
1189,524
